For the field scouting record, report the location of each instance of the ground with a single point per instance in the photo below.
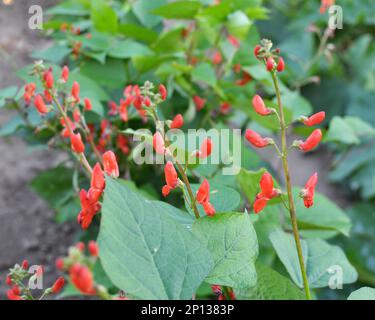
(28, 230)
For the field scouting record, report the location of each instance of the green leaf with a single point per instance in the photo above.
(143, 11)
(103, 17)
(55, 53)
(239, 24)
(169, 41)
(348, 130)
(68, 8)
(138, 32)
(178, 10)
(271, 286)
(320, 259)
(233, 244)
(205, 73)
(364, 293)
(146, 253)
(224, 199)
(7, 93)
(325, 215)
(128, 49)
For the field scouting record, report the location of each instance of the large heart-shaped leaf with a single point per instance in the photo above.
(271, 285)
(233, 244)
(145, 252)
(324, 262)
(364, 293)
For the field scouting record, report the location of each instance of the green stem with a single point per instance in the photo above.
(292, 209)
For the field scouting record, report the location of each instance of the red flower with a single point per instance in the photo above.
(256, 50)
(48, 96)
(203, 193)
(312, 141)
(48, 78)
(163, 92)
(123, 109)
(82, 278)
(217, 290)
(256, 139)
(199, 102)
(246, 78)
(97, 178)
(315, 119)
(65, 132)
(76, 143)
(280, 65)
(88, 104)
(206, 149)
(270, 64)
(60, 264)
(8, 280)
(110, 164)
(89, 206)
(80, 246)
(225, 108)
(76, 115)
(29, 92)
(65, 74)
(177, 122)
(122, 144)
(40, 105)
(93, 248)
(209, 209)
(217, 58)
(75, 91)
(25, 264)
(171, 178)
(14, 293)
(267, 192)
(158, 143)
(113, 108)
(259, 106)
(233, 41)
(308, 193)
(58, 285)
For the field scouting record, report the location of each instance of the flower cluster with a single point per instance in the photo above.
(20, 279)
(269, 57)
(79, 268)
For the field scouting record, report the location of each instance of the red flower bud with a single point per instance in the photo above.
(206, 149)
(97, 178)
(25, 264)
(40, 105)
(75, 91)
(280, 65)
(110, 164)
(12, 296)
(58, 285)
(88, 105)
(203, 193)
(76, 143)
(260, 204)
(270, 64)
(259, 106)
(171, 176)
(209, 209)
(234, 41)
(199, 102)
(315, 119)
(80, 246)
(166, 190)
(256, 50)
(267, 185)
(177, 122)
(147, 102)
(163, 92)
(225, 108)
(217, 58)
(60, 264)
(65, 74)
(82, 278)
(8, 280)
(312, 141)
(158, 143)
(308, 193)
(256, 139)
(49, 79)
(93, 248)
